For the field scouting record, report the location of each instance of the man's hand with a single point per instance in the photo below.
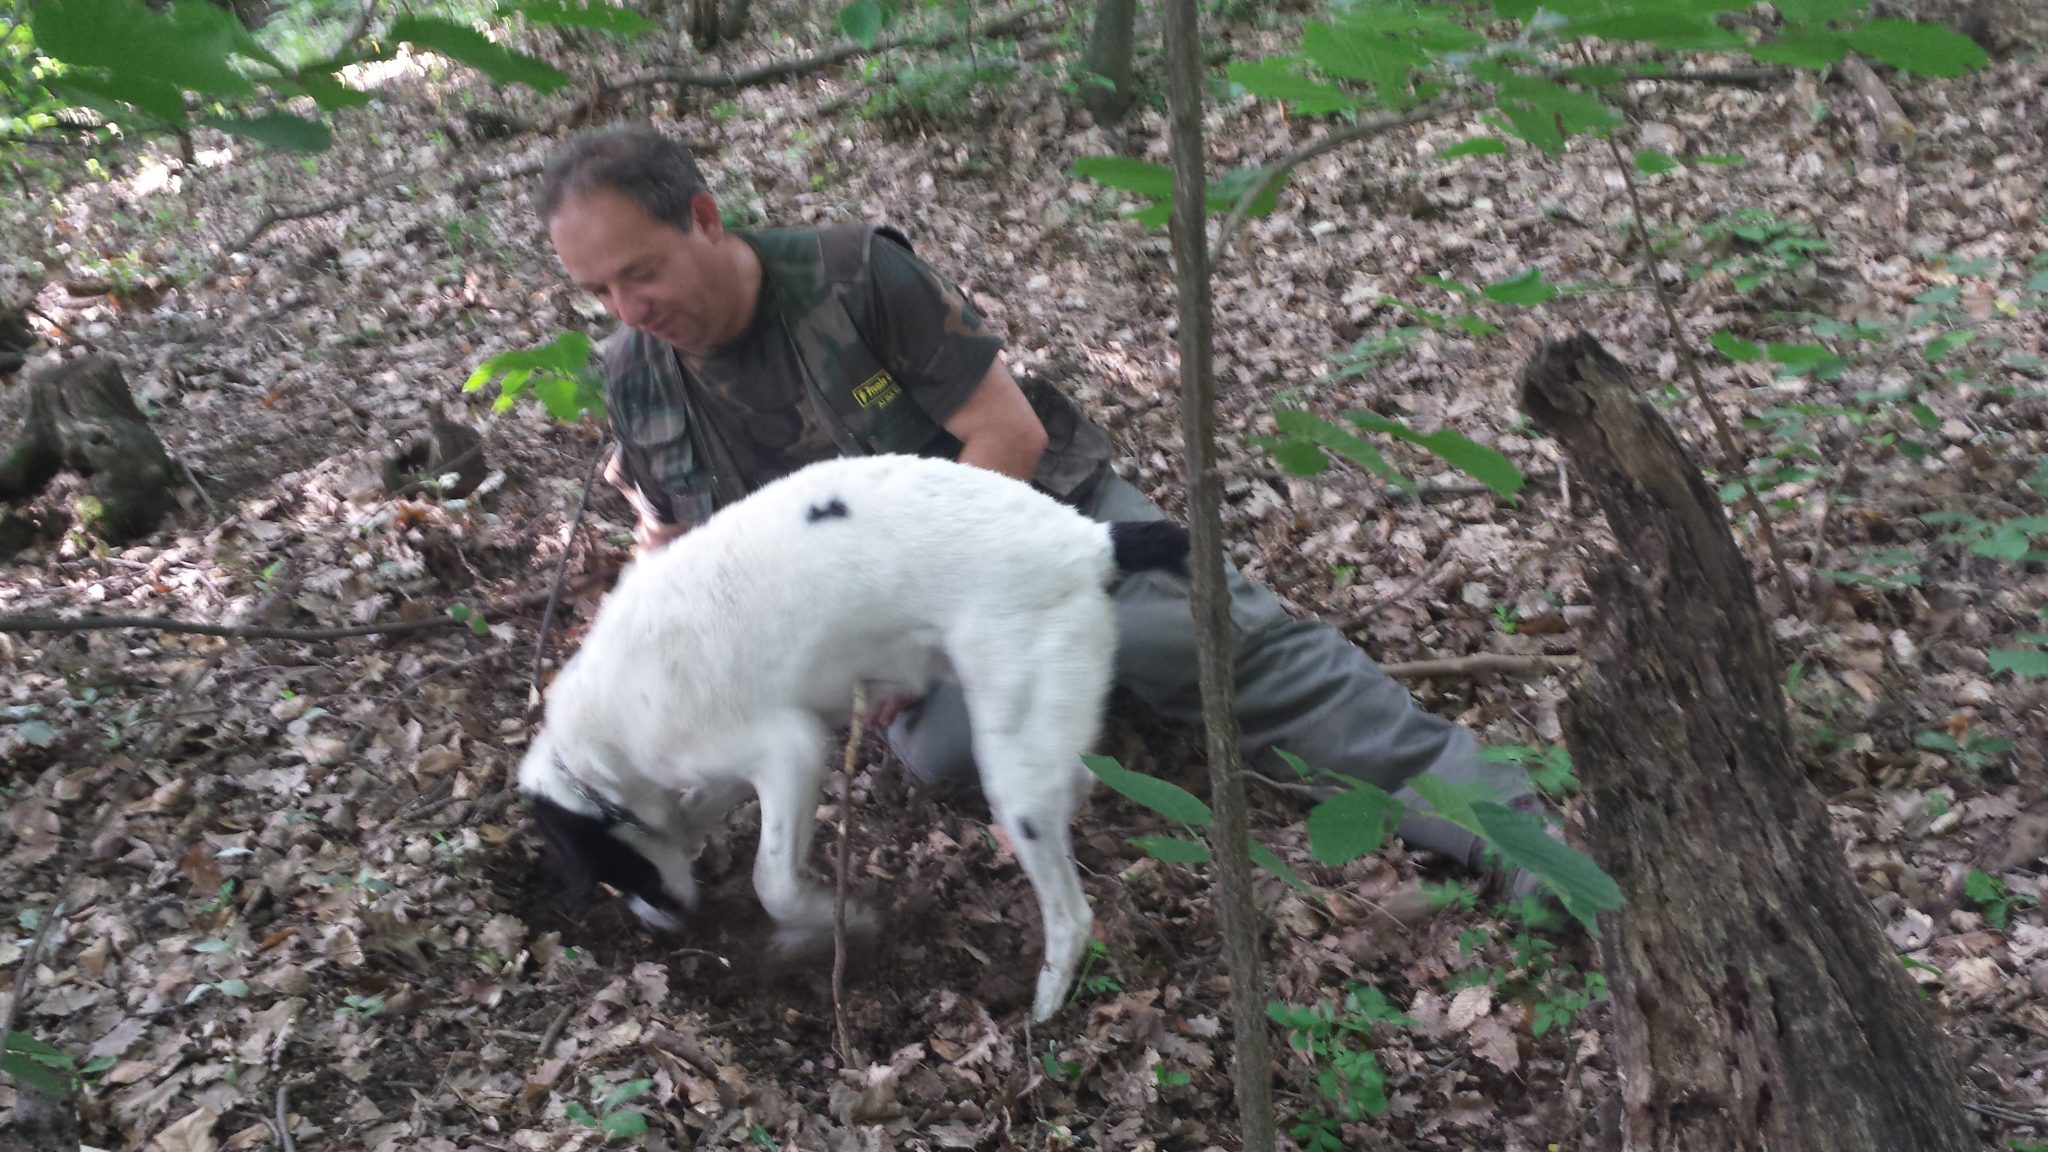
(884, 714)
(651, 535)
(997, 428)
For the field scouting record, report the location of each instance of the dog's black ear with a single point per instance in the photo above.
(586, 854)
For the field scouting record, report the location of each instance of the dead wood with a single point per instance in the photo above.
(81, 419)
(1756, 1004)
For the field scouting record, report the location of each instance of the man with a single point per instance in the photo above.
(746, 355)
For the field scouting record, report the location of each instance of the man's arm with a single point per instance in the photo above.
(996, 427)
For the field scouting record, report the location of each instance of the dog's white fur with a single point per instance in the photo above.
(724, 662)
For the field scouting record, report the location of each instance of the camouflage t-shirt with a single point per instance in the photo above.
(751, 395)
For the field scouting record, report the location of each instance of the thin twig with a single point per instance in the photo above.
(236, 631)
(1429, 570)
(192, 478)
(548, 1038)
(846, 767)
(1481, 664)
(547, 616)
(27, 974)
(1278, 170)
(1737, 459)
(2009, 1115)
(284, 1120)
(453, 666)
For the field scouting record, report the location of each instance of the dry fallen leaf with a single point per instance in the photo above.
(1494, 1041)
(193, 1133)
(1468, 1006)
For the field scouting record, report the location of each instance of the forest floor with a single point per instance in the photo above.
(291, 881)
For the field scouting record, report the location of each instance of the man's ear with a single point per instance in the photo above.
(704, 215)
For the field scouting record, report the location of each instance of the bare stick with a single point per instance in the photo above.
(547, 616)
(1737, 461)
(846, 767)
(236, 631)
(1480, 665)
(284, 1120)
(554, 1032)
(1892, 125)
(1278, 170)
(1429, 571)
(27, 975)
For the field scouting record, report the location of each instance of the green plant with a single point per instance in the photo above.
(1969, 750)
(1991, 895)
(1330, 1038)
(612, 1117)
(1091, 982)
(1056, 1068)
(1549, 767)
(558, 374)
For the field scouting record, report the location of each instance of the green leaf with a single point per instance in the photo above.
(1654, 161)
(2005, 544)
(1300, 457)
(579, 1114)
(187, 49)
(1355, 53)
(1447, 800)
(1803, 48)
(1459, 451)
(1523, 840)
(1172, 849)
(1476, 146)
(37, 732)
(277, 129)
(1474, 326)
(2019, 661)
(1717, 159)
(1922, 49)
(1351, 824)
(330, 93)
(25, 1070)
(236, 988)
(1545, 114)
(1947, 342)
(1595, 75)
(599, 17)
(1306, 425)
(1527, 289)
(1275, 78)
(1122, 172)
(624, 1093)
(1665, 29)
(466, 45)
(1223, 192)
(1798, 357)
(1450, 285)
(1735, 348)
(118, 98)
(1162, 796)
(1819, 11)
(1265, 858)
(861, 21)
(622, 1124)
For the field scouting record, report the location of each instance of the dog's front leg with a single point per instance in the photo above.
(788, 787)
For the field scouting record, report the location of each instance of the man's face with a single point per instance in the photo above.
(679, 287)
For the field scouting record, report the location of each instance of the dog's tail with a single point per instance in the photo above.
(1144, 545)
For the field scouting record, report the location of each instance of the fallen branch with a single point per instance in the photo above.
(540, 643)
(784, 69)
(275, 216)
(845, 853)
(519, 603)
(1330, 142)
(284, 1123)
(1892, 125)
(1483, 664)
(1429, 571)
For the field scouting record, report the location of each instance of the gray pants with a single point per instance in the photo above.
(1301, 686)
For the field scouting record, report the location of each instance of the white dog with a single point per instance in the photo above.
(723, 663)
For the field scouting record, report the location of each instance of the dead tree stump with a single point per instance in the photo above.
(1757, 1006)
(82, 419)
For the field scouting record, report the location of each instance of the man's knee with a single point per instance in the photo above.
(933, 739)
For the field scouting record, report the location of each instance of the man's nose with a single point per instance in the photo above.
(631, 308)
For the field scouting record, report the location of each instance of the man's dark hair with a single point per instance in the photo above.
(641, 164)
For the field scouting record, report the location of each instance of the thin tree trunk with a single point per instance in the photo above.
(1211, 597)
(1107, 91)
(1757, 1006)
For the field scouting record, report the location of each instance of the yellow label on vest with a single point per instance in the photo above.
(880, 391)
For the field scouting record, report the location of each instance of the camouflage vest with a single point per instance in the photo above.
(812, 279)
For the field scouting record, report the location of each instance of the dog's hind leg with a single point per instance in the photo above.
(1033, 715)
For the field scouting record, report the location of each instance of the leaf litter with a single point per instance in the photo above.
(293, 866)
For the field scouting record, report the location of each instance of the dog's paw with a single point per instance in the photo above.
(812, 936)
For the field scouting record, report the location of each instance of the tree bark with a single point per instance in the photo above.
(1228, 833)
(1107, 90)
(81, 418)
(1757, 1006)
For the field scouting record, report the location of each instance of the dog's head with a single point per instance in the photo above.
(589, 845)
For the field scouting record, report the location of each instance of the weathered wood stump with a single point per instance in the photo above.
(1757, 1005)
(82, 419)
